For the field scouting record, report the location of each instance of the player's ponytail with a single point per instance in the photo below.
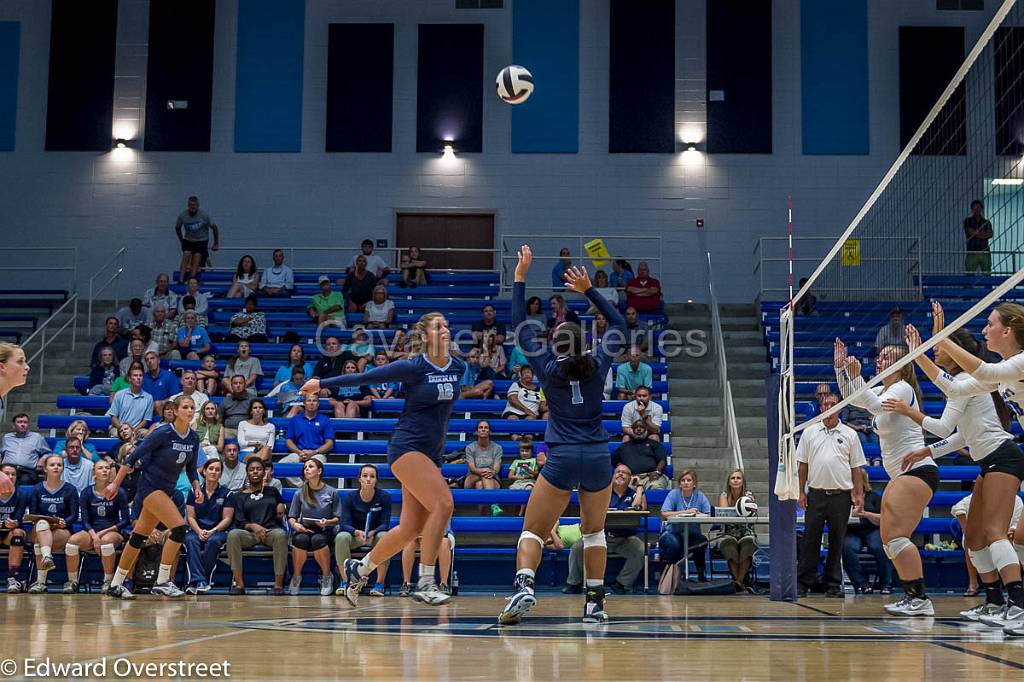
(418, 334)
(571, 350)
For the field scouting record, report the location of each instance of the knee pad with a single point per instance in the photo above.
(527, 535)
(318, 541)
(137, 540)
(1002, 554)
(897, 545)
(982, 560)
(42, 525)
(17, 541)
(71, 550)
(177, 534)
(106, 550)
(594, 540)
(301, 541)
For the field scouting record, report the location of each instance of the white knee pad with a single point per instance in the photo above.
(982, 560)
(1002, 554)
(71, 550)
(42, 525)
(594, 540)
(897, 545)
(527, 535)
(106, 550)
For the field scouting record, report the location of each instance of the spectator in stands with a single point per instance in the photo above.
(77, 469)
(829, 456)
(12, 535)
(25, 450)
(349, 402)
(201, 301)
(132, 315)
(332, 363)
(643, 292)
(193, 341)
(516, 361)
(80, 430)
(296, 358)
(121, 382)
(249, 324)
(309, 435)
(209, 430)
(289, 397)
(621, 541)
(255, 434)
(645, 457)
(233, 477)
(492, 355)
(208, 376)
(193, 229)
(190, 389)
(524, 399)
(637, 333)
(400, 346)
(164, 333)
(327, 305)
(161, 293)
(560, 312)
(414, 268)
(235, 406)
(374, 263)
(246, 280)
(144, 333)
(259, 520)
(644, 410)
(483, 459)
(893, 333)
(558, 271)
(361, 347)
(157, 382)
(365, 519)
(739, 540)
(54, 498)
(808, 303)
(112, 339)
(380, 312)
(866, 534)
(386, 390)
(622, 272)
(686, 500)
(208, 525)
(103, 373)
(631, 375)
(358, 286)
(488, 323)
(132, 406)
(268, 476)
(523, 472)
(977, 230)
(278, 280)
(476, 382)
(534, 310)
(313, 517)
(604, 287)
(243, 364)
(595, 335)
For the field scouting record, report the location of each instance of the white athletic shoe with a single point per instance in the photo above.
(983, 609)
(356, 582)
(911, 606)
(167, 589)
(326, 585)
(1009, 615)
(517, 606)
(294, 584)
(593, 608)
(106, 585)
(120, 592)
(46, 563)
(14, 586)
(37, 588)
(431, 594)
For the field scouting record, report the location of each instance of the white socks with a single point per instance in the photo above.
(164, 575)
(119, 575)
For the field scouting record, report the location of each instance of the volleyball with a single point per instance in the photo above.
(515, 84)
(745, 506)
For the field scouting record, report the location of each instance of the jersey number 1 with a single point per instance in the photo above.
(445, 392)
(577, 395)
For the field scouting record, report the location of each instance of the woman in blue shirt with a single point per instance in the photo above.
(296, 358)
(58, 500)
(685, 500)
(365, 519)
(103, 521)
(208, 520)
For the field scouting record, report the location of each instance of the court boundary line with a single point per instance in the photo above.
(980, 654)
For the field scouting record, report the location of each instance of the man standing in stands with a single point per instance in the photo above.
(977, 230)
(193, 229)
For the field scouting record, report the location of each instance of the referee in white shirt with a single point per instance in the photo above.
(828, 454)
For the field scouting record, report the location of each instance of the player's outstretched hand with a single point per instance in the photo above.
(938, 317)
(913, 337)
(525, 256)
(577, 279)
(839, 353)
(311, 386)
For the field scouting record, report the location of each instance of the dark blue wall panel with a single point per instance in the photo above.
(929, 56)
(268, 75)
(1009, 75)
(834, 76)
(449, 87)
(360, 100)
(10, 44)
(546, 40)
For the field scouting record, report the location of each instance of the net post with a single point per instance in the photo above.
(781, 513)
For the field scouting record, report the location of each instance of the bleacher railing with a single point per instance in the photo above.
(115, 268)
(38, 267)
(330, 258)
(732, 433)
(48, 332)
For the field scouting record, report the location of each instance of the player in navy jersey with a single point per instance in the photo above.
(103, 521)
(573, 383)
(13, 373)
(58, 500)
(12, 535)
(160, 459)
(431, 381)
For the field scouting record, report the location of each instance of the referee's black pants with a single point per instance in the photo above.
(833, 508)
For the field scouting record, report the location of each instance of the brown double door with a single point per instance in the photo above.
(449, 230)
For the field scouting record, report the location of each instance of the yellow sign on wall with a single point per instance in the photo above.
(597, 251)
(851, 252)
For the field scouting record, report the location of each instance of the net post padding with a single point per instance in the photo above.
(787, 484)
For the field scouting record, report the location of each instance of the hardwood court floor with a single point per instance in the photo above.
(650, 638)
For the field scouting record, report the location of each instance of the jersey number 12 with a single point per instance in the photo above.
(445, 392)
(577, 395)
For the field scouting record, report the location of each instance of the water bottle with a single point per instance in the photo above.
(455, 582)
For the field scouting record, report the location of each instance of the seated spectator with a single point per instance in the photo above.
(385, 390)
(865, 533)
(161, 293)
(644, 410)
(327, 305)
(77, 469)
(893, 333)
(535, 312)
(54, 498)
(296, 358)
(189, 304)
(645, 457)
(128, 439)
(259, 520)
(144, 333)
(193, 341)
(159, 383)
(246, 280)
(524, 399)
(243, 364)
(166, 417)
(400, 346)
(603, 287)
(622, 272)
(358, 286)
(558, 271)
(309, 435)
(643, 292)
(103, 522)
(562, 536)
(209, 430)
(24, 450)
(80, 430)
(136, 353)
(686, 500)
(516, 361)
(445, 557)
(268, 476)
(380, 312)
(190, 389)
(414, 268)
(132, 406)
(111, 339)
(483, 459)
(632, 374)
(523, 472)
(208, 376)
(332, 363)
(374, 263)
(560, 312)
(278, 280)
(637, 333)
(595, 335)
(488, 322)
(476, 382)
(208, 525)
(200, 301)
(248, 324)
(164, 334)
(739, 540)
(621, 541)
(365, 519)
(233, 477)
(102, 374)
(492, 356)
(808, 303)
(256, 435)
(132, 315)
(289, 398)
(361, 347)
(350, 401)
(313, 517)
(235, 406)
(12, 534)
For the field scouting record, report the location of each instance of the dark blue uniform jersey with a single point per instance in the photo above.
(100, 514)
(13, 507)
(211, 511)
(574, 406)
(160, 458)
(430, 392)
(62, 502)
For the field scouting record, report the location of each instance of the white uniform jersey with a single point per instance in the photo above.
(1006, 377)
(897, 435)
(975, 420)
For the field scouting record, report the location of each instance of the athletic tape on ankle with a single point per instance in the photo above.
(1002, 554)
(527, 535)
(594, 540)
(71, 550)
(982, 560)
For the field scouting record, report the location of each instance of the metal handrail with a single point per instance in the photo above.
(73, 268)
(118, 257)
(732, 433)
(396, 251)
(44, 341)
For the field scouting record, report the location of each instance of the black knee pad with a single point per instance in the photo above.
(137, 540)
(301, 541)
(177, 534)
(318, 541)
(18, 541)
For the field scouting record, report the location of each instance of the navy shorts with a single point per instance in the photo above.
(929, 474)
(586, 466)
(145, 489)
(1006, 459)
(402, 447)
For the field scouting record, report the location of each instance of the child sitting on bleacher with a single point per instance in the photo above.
(289, 400)
(523, 471)
(208, 376)
(361, 347)
(386, 390)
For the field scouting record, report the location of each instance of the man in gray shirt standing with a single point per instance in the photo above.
(193, 229)
(24, 449)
